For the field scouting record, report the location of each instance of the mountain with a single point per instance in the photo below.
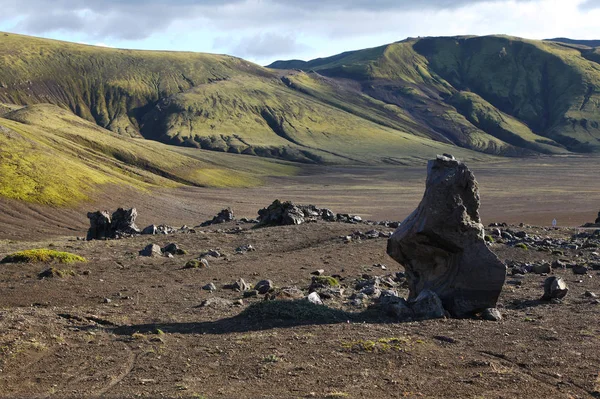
(476, 91)
(587, 43)
(206, 101)
(399, 103)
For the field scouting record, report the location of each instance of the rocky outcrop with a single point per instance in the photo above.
(100, 225)
(287, 213)
(441, 244)
(598, 219)
(226, 215)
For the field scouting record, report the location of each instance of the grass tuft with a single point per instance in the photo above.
(42, 256)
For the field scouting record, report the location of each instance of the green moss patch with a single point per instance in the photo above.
(326, 281)
(42, 256)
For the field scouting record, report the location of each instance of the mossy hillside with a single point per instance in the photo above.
(548, 89)
(111, 87)
(42, 256)
(263, 116)
(50, 156)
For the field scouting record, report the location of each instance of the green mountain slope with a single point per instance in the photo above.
(50, 156)
(551, 91)
(397, 103)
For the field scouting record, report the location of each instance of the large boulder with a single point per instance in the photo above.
(280, 213)
(441, 244)
(123, 222)
(100, 225)
(598, 219)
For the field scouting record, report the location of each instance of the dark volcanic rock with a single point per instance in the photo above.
(123, 222)
(441, 244)
(554, 288)
(280, 213)
(598, 219)
(100, 225)
(226, 215)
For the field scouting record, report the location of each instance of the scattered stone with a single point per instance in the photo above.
(152, 250)
(226, 215)
(173, 249)
(441, 245)
(590, 294)
(251, 293)
(210, 287)
(212, 253)
(166, 230)
(580, 269)
(554, 288)
(263, 286)
(196, 264)
(53, 272)
(244, 248)
(542, 268)
(491, 314)
(313, 297)
(150, 230)
(239, 285)
(107, 300)
(319, 272)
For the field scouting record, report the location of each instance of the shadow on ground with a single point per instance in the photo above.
(263, 316)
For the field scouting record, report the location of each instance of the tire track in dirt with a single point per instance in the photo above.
(129, 366)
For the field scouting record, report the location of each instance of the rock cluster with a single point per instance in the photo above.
(442, 247)
(226, 215)
(120, 224)
(287, 213)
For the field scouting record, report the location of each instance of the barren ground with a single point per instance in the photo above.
(60, 337)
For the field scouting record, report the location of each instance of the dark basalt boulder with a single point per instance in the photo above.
(104, 226)
(123, 222)
(441, 244)
(598, 219)
(100, 225)
(226, 215)
(280, 214)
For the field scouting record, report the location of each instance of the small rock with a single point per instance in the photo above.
(313, 297)
(543, 268)
(580, 269)
(245, 248)
(319, 272)
(263, 286)
(590, 294)
(427, 305)
(209, 287)
(173, 249)
(554, 288)
(106, 300)
(251, 293)
(196, 264)
(491, 314)
(239, 285)
(150, 230)
(151, 250)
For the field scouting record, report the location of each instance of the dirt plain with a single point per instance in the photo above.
(130, 326)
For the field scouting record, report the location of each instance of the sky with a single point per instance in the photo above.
(263, 31)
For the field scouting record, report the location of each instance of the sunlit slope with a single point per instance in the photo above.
(548, 89)
(111, 87)
(263, 116)
(50, 156)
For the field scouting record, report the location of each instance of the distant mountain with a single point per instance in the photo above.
(398, 103)
(588, 43)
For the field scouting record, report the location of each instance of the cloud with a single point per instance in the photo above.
(139, 19)
(262, 45)
(590, 5)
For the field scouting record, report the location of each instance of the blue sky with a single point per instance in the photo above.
(266, 30)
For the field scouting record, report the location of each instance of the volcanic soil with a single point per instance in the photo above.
(130, 326)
